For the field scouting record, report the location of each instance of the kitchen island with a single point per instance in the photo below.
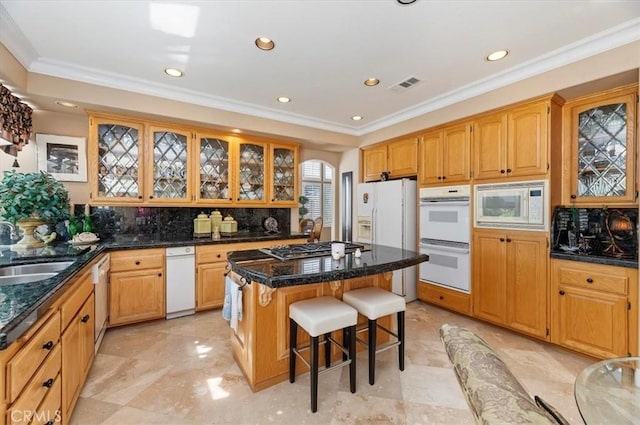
(261, 340)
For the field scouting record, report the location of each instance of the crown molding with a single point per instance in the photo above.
(14, 40)
(610, 39)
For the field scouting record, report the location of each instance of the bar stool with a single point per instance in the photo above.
(375, 303)
(321, 316)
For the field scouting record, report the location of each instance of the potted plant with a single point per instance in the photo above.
(303, 210)
(29, 200)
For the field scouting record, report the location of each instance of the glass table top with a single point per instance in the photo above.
(608, 392)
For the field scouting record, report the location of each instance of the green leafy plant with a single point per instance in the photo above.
(32, 195)
(303, 210)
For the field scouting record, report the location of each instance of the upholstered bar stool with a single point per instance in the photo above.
(375, 303)
(321, 316)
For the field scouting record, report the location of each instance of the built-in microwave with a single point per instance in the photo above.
(518, 205)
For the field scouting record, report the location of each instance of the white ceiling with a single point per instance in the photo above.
(325, 49)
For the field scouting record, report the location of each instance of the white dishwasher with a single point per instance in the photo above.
(181, 281)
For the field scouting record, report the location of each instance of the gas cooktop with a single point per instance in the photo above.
(304, 250)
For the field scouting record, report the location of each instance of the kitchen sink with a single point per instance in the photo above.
(30, 269)
(24, 278)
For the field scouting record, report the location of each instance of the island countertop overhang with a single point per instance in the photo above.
(256, 266)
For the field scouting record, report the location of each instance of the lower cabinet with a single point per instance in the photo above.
(510, 279)
(594, 308)
(444, 297)
(137, 286)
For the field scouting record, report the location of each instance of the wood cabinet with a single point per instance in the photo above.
(515, 142)
(398, 158)
(594, 308)
(445, 154)
(510, 279)
(444, 297)
(77, 343)
(137, 286)
(154, 163)
(599, 141)
(211, 268)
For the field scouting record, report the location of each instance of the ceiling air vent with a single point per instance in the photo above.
(405, 85)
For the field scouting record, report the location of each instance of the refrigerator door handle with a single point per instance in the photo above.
(445, 248)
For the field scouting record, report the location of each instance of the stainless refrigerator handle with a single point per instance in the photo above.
(373, 226)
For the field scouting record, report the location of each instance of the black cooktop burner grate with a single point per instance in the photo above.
(312, 249)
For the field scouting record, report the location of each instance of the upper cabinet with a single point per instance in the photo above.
(116, 160)
(599, 134)
(216, 173)
(444, 155)
(398, 158)
(169, 165)
(513, 142)
(283, 185)
(148, 163)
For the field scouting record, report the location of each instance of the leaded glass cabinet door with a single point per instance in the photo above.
(215, 176)
(284, 184)
(603, 148)
(116, 167)
(251, 187)
(170, 174)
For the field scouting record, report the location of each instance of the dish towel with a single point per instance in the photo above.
(226, 305)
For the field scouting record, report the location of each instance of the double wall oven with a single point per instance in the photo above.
(444, 235)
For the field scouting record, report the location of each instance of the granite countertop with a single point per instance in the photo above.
(595, 259)
(256, 266)
(22, 304)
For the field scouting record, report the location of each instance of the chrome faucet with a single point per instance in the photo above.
(14, 234)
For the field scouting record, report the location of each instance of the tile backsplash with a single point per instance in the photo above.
(177, 222)
(607, 232)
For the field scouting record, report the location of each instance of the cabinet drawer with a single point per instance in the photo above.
(71, 306)
(49, 411)
(36, 390)
(444, 297)
(137, 260)
(597, 279)
(28, 359)
(212, 253)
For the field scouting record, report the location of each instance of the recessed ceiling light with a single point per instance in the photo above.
(66, 104)
(265, 43)
(236, 130)
(370, 82)
(356, 117)
(284, 99)
(173, 72)
(497, 55)
(405, 2)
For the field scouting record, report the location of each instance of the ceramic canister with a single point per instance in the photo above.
(202, 225)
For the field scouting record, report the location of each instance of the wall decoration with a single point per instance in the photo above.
(64, 157)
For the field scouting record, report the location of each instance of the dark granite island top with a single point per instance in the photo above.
(256, 266)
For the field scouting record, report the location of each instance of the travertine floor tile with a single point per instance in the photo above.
(182, 371)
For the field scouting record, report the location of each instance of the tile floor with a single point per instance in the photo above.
(181, 371)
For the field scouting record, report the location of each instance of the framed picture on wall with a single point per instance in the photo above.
(64, 157)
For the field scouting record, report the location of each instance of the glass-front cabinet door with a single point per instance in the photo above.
(115, 153)
(283, 181)
(214, 180)
(169, 166)
(602, 132)
(252, 172)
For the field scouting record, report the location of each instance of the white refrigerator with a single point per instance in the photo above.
(387, 216)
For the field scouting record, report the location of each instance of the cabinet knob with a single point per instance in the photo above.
(508, 170)
(49, 422)
(237, 199)
(561, 292)
(501, 239)
(85, 318)
(508, 240)
(48, 345)
(444, 177)
(573, 196)
(48, 383)
(589, 280)
(273, 200)
(151, 197)
(439, 177)
(502, 171)
(231, 199)
(139, 197)
(159, 274)
(219, 255)
(137, 263)
(441, 297)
